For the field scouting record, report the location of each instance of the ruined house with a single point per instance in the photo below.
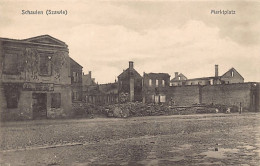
(99, 94)
(178, 80)
(155, 87)
(130, 84)
(88, 85)
(35, 78)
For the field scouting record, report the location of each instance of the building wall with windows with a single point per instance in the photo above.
(155, 87)
(34, 78)
(76, 81)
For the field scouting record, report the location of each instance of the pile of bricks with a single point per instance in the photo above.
(140, 109)
(135, 109)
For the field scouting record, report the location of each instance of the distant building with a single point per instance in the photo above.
(178, 80)
(230, 77)
(89, 86)
(130, 84)
(99, 94)
(34, 78)
(76, 80)
(87, 80)
(102, 94)
(155, 87)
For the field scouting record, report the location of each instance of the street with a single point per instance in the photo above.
(205, 139)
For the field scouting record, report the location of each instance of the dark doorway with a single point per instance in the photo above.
(39, 105)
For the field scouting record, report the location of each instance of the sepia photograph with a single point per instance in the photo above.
(129, 82)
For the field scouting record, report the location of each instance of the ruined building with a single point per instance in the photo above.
(35, 78)
(130, 84)
(99, 94)
(76, 81)
(155, 87)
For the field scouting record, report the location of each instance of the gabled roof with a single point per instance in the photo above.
(45, 39)
(179, 75)
(233, 70)
(205, 78)
(125, 73)
(73, 61)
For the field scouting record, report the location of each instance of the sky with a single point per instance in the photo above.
(159, 36)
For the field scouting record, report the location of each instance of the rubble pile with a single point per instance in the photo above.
(139, 109)
(135, 109)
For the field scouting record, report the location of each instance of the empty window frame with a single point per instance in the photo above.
(163, 83)
(157, 83)
(75, 96)
(45, 65)
(162, 98)
(75, 77)
(10, 64)
(55, 100)
(232, 73)
(156, 98)
(150, 82)
(12, 99)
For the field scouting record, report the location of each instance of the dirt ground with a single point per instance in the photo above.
(212, 139)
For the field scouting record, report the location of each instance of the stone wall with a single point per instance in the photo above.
(225, 94)
(228, 94)
(184, 95)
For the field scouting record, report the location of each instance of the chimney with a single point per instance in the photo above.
(131, 81)
(176, 74)
(216, 70)
(89, 73)
(131, 64)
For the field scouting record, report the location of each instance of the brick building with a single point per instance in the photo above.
(130, 84)
(34, 78)
(155, 87)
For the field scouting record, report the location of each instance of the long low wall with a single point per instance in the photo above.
(184, 95)
(231, 94)
(246, 94)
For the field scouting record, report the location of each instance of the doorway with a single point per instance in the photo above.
(39, 105)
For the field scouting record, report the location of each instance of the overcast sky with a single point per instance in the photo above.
(159, 36)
